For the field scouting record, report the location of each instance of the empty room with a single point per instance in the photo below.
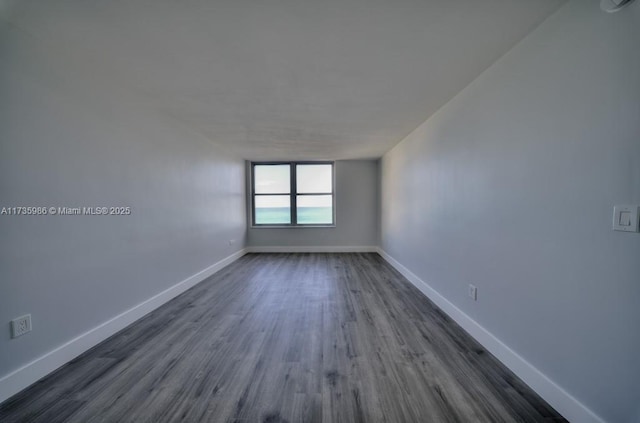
(320, 211)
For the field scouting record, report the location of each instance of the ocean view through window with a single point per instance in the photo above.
(292, 194)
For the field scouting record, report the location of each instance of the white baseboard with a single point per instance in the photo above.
(572, 409)
(19, 379)
(313, 249)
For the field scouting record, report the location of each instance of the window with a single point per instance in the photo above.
(292, 194)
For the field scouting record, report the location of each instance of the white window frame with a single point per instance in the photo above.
(293, 195)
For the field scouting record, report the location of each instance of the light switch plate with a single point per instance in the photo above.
(625, 218)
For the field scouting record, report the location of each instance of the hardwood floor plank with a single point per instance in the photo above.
(287, 338)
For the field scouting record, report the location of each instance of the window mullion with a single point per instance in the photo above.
(293, 201)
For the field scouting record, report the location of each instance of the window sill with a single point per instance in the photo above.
(291, 226)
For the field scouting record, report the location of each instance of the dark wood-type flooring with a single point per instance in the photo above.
(287, 338)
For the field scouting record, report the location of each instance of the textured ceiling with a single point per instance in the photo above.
(290, 79)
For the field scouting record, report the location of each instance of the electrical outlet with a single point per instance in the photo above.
(20, 325)
(473, 292)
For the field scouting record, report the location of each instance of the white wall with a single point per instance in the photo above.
(511, 187)
(70, 138)
(356, 213)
